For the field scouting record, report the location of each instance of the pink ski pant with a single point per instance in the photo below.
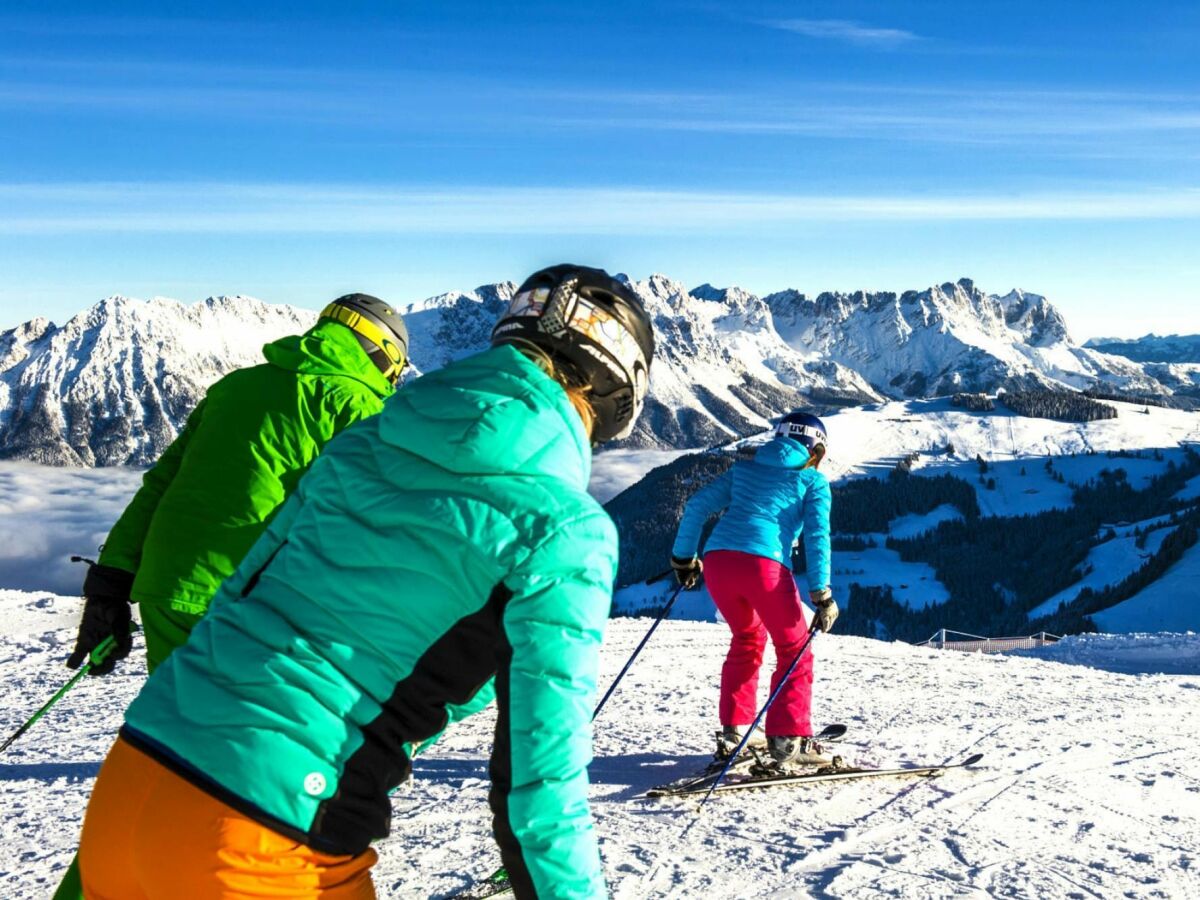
(758, 597)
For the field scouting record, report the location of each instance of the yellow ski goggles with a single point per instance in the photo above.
(362, 325)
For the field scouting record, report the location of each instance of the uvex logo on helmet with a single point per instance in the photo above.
(596, 330)
(805, 428)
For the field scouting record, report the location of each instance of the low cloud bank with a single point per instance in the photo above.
(47, 514)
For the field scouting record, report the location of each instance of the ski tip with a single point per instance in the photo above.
(972, 760)
(831, 732)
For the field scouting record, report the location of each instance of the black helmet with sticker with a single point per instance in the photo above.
(595, 329)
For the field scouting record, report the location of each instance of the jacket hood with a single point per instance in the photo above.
(782, 453)
(492, 413)
(328, 348)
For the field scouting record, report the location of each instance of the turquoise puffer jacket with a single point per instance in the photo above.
(771, 501)
(445, 541)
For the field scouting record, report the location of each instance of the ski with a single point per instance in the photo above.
(830, 734)
(495, 885)
(739, 781)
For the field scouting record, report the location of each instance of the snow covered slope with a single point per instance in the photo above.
(870, 440)
(1172, 603)
(1112, 560)
(1088, 788)
(114, 384)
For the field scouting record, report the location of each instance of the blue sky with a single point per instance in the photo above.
(296, 151)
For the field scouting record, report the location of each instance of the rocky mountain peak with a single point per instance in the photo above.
(113, 384)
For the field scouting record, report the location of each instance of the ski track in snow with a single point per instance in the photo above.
(1090, 786)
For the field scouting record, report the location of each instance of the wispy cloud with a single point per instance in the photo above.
(388, 103)
(236, 208)
(845, 30)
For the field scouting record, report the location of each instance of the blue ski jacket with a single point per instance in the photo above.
(769, 503)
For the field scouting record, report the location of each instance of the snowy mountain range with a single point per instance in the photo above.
(113, 384)
(1172, 348)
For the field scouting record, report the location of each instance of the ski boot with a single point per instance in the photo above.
(730, 736)
(789, 754)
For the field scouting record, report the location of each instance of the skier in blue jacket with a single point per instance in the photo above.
(769, 503)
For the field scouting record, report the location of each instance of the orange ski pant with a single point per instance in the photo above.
(150, 834)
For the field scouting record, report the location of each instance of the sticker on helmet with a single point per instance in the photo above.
(529, 303)
(798, 430)
(604, 329)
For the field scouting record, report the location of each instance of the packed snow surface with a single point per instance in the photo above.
(1162, 653)
(1089, 787)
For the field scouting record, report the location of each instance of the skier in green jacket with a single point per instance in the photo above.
(213, 490)
(444, 542)
(241, 453)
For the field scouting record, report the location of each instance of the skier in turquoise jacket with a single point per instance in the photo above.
(445, 542)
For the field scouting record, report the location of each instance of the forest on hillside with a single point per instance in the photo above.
(995, 568)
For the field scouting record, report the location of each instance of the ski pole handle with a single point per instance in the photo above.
(102, 650)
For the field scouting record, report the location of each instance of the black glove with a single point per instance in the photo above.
(826, 609)
(687, 571)
(106, 612)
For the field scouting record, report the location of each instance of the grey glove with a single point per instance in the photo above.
(825, 608)
(687, 571)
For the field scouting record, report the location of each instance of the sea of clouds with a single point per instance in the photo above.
(48, 514)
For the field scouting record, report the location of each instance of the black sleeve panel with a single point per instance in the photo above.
(451, 671)
(500, 770)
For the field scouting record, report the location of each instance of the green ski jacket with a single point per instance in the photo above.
(444, 542)
(241, 454)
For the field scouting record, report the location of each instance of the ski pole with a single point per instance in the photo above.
(97, 656)
(654, 579)
(612, 687)
(812, 632)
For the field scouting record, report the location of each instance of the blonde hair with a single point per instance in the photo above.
(576, 393)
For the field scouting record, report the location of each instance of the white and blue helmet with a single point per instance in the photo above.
(805, 428)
